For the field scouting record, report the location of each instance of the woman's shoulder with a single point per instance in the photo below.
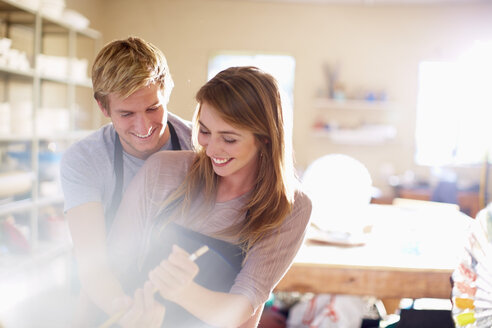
(301, 199)
(301, 196)
(164, 171)
(170, 162)
(173, 158)
(302, 206)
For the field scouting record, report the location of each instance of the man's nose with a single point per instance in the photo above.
(143, 124)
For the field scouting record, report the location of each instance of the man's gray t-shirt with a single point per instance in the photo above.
(87, 168)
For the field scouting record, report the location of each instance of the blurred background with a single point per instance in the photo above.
(402, 86)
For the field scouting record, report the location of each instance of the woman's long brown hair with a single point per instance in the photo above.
(246, 98)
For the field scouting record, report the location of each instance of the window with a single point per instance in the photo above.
(454, 109)
(281, 67)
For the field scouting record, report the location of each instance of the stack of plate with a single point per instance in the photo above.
(33, 4)
(472, 279)
(75, 19)
(15, 182)
(53, 8)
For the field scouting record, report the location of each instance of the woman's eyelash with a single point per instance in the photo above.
(228, 140)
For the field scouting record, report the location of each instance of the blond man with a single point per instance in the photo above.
(132, 85)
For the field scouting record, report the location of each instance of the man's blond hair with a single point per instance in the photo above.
(124, 66)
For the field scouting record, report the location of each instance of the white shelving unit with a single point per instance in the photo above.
(354, 122)
(46, 113)
(353, 105)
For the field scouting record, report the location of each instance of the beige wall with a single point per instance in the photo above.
(92, 9)
(377, 47)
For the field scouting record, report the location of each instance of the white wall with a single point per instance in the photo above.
(377, 47)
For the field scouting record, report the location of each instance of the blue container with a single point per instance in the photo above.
(49, 162)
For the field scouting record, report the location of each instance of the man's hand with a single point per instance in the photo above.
(142, 311)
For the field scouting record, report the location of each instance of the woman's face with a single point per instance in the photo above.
(232, 151)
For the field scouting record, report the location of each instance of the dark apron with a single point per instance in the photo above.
(119, 173)
(218, 268)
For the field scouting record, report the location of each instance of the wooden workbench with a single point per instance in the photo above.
(410, 253)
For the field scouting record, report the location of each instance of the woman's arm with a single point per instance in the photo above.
(235, 309)
(270, 258)
(254, 320)
(173, 278)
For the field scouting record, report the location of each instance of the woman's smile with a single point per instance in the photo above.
(220, 161)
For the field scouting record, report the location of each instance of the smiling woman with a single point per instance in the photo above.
(237, 194)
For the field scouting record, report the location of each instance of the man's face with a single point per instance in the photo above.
(140, 120)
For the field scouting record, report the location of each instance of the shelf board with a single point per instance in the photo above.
(58, 22)
(87, 83)
(16, 72)
(79, 134)
(60, 136)
(28, 204)
(17, 206)
(13, 138)
(67, 135)
(352, 104)
(356, 137)
(50, 200)
(9, 5)
(11, 264)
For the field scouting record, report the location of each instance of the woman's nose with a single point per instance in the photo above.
(211, 147)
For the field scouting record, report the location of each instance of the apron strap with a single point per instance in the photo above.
(119, 173)
(174, 137)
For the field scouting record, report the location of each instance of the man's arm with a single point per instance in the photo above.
(86, 223)
(87, 227)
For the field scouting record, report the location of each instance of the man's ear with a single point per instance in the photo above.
(103, 110)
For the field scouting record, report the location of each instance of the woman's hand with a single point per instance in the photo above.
(172, 276)
(142, 311)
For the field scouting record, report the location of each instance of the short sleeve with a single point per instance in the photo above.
(81, 180)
